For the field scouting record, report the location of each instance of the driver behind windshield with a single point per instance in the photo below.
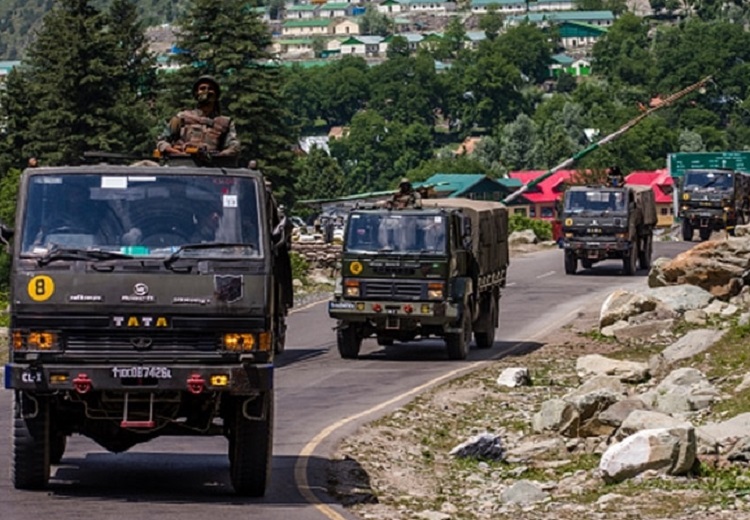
(73, 215)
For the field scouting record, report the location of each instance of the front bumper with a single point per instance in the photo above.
(245, 379)
(383, 312)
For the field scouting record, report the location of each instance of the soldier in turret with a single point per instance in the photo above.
(203, 130)
(406, 196)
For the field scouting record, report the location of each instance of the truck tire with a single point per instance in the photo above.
(457, 343)
(31, 444)
(705, 234)
(349, 341)
(486, 338)
(645, 254)
(58, 443)
(384, 341)
(630, 261)
(250, 444)
(571, 263)
(687, 231)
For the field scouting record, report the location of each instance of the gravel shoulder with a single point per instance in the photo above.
(399, 466)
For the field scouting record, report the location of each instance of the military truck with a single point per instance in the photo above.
(712, 200)
(415, 273)
(146, 300)
(605, 222)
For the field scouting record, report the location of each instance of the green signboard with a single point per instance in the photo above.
(679, 162)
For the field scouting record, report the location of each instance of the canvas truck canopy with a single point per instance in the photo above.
(646, 202)
(489, 228)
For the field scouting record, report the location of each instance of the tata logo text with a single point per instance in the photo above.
(140, 322)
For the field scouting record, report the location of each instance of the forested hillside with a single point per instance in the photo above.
(20, 19)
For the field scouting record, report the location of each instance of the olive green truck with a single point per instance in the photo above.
(608, 222)
(145, 301)
(421, 272)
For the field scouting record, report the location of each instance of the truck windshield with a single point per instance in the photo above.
(595, 202)
(141, 215)
(708, 179)
(395, 232)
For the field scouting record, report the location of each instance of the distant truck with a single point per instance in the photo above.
(146, 300)
(604, 222)
(712, 200)
(433, 271)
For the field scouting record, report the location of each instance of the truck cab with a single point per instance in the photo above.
(709, 201)
(608, 222)
(145, 301)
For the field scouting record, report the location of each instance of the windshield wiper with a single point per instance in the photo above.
(72, 253)
(197, 247)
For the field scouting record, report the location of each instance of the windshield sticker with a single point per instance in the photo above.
(41, 288)
(229, 201)
(228, 288)
(114, 182)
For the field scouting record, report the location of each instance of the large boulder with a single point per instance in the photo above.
(720, 267)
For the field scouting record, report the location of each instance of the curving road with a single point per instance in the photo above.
(320, 399)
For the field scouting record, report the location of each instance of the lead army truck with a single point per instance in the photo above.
(146, 301)
(415, 273)
(604, 222)
(712, 200)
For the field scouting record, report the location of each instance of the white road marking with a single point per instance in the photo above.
(300, 467)
(545, 275)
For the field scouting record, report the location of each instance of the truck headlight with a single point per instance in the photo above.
(351, 288)
(35, 340)
(435, 291)
(247, 341)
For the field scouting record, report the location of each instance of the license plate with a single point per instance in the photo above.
(142, 372)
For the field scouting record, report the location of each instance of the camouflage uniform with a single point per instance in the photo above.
(191, 127)
(204, 129)
(406, 196)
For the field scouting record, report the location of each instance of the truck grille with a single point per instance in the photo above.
(395, 290)
(163, 346)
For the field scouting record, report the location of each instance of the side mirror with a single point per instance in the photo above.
(279, 234)
(6, 234)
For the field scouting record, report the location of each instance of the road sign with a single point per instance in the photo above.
(679, 162)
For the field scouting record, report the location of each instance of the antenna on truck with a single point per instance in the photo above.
(611, 137)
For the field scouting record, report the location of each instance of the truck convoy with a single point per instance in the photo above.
(604, 222)
(419, 272)
(712, 200)
(146, 300)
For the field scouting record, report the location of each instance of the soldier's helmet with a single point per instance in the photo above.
(207, 79)
(404, 182)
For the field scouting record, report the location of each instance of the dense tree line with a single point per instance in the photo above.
(495, 92)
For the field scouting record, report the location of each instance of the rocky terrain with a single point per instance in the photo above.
(640, 408)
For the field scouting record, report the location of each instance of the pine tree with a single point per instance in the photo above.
(226, 39)
(77, 88)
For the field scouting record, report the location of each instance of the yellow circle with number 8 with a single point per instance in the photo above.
(40, 288)
(355, 267)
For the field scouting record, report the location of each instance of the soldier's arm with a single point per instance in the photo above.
(231, 141)
(169, 136)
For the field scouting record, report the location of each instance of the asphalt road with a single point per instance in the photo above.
(320, 399)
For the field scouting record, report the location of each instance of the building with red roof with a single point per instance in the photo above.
(543, 197)
(663, 185)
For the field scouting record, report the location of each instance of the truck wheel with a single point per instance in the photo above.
(250, 443)
(384, 341)
(630, 261)
(571, 263)
(705, 234)
(644, 256)
(280, 335)
(458, 342)
(349, 341)
(58, 443)
(687, 231)
(486, 338)
(31, 443)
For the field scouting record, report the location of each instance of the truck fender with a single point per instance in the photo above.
(462, 291)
